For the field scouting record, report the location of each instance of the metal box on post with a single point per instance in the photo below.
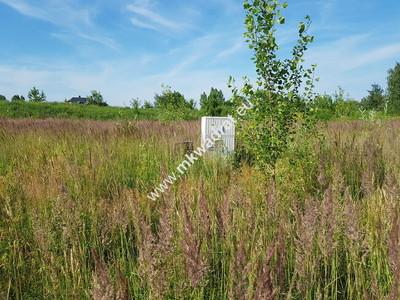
(220, 131)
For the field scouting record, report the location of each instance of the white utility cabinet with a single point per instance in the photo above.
(221, 131)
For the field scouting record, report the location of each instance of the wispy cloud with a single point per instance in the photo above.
(190, 45)
(372, 56)
(153, 17)
(353, 62)
(230, 6)
(236, 47)
(351, 52)
(78, 20)
(117, 80)
(100, 39)
(326, 12)
(60, 13)
(142, 24)
(147, 17)
(185, 64)
(26, 9)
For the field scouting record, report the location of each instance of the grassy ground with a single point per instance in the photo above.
(38, 110)
(18, 109)
(76, 223)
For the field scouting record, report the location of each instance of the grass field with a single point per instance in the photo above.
(38, 110)
(76, 223)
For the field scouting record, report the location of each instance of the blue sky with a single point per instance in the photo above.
(127, 48)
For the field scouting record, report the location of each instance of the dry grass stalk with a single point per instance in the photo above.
(102, 288)
(116, 213)
(66, 215)
(352, 219)
(306, 231)
(271, 200)
(154, 254)
(395, 291)
(123, 288)
(205, 216)
(281, 253)
(265, 289)
(322, 177)
(367, 183)
(393, 242)
(143, 129)
(41, 233)
(224, 216)
(329, 221)
(147, 251)
(196, 263)
(44, 239)
(239, 270)
(394, 254)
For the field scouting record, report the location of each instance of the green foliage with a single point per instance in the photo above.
(135, 103)
(35, 96)
(278, 104)
(171, 100)
(18, 98)
(147, 105)
(393, 83)
(323, 107)
(375, 100)
(126, 122)
(170, 115)
(213, 104)
(96, 99)
(343, 105)
(191, 104)
(173, 106)
(339, 105)
(3, 98)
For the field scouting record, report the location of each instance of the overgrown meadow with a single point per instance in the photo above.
(76, 223)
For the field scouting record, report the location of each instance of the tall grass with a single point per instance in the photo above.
(75, 222)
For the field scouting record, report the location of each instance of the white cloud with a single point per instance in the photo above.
(237, 46)
(353, 62)
(352, 52)
(100, 39)
(142, 24)
(184, 64)
(153, 17)
(78, 20)
(230, 6)
(118, 81)
(202, 46)
(201, 52)
(26, 9)
(372, 56)
(163, 17)
(59, 13)
(326, 12)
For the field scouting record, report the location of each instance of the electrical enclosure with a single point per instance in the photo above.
(218, 134)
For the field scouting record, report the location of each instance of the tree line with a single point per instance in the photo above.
(324, 107)
(340, 104)
(33, 96)
(380, 100)
(213, 103)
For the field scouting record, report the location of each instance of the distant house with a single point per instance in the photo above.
(79, 100)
